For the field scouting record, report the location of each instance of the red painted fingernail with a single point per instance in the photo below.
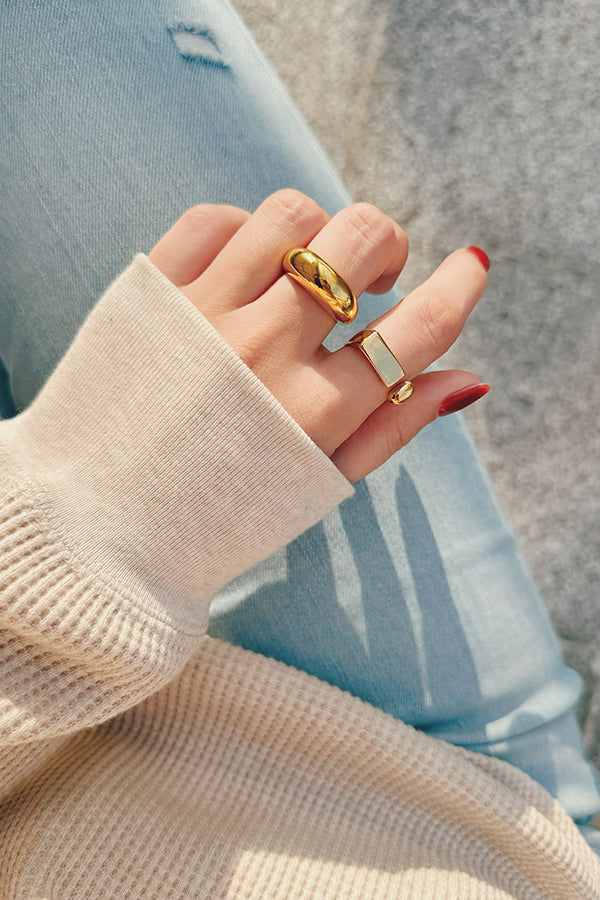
(481, 256)
(459, 399)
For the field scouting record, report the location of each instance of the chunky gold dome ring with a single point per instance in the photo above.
(385, 364)
(322, 282)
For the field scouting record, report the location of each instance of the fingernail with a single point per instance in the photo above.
(481, 256)
(459, 399)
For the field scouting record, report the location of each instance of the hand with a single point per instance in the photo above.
(228, 263)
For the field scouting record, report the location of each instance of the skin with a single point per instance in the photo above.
(228, 263)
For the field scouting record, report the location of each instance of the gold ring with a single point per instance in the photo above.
(322, 282)
(385, 364)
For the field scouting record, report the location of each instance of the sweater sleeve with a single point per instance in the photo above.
(152, 469)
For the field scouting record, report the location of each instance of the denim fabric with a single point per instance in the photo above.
(413, 594)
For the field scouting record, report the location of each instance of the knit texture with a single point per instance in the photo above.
(140, 758)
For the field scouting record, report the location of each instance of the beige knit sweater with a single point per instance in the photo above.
(141, 759)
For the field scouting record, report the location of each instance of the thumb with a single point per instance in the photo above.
(389, 427)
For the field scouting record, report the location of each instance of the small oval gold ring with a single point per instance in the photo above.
(322, 282)
(385, 364)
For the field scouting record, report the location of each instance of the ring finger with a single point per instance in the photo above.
(363, 245)
(191, 244)
(251, 261)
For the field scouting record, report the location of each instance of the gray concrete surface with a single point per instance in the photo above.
(478, 122)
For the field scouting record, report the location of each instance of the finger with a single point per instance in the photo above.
(191, 244)
(252, 259)
(389, 427)
(418, 331)
(365, 247)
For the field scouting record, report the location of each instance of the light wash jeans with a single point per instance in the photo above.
(413, 595)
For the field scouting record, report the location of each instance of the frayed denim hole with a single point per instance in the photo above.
(198, 44)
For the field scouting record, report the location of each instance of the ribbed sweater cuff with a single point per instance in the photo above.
(165, 464)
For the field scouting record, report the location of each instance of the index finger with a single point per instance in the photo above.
(418, 330)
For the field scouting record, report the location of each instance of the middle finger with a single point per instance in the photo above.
(363, 245)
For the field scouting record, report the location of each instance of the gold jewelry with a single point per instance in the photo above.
(322, 282)
(385, 364)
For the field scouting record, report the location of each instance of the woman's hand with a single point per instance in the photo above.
(229, 264)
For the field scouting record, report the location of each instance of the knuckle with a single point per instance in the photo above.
(199, 213)
(370, 225)
(291, 207)
(438, 322)
(402, 241)
(203, 215)
(395, 437)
